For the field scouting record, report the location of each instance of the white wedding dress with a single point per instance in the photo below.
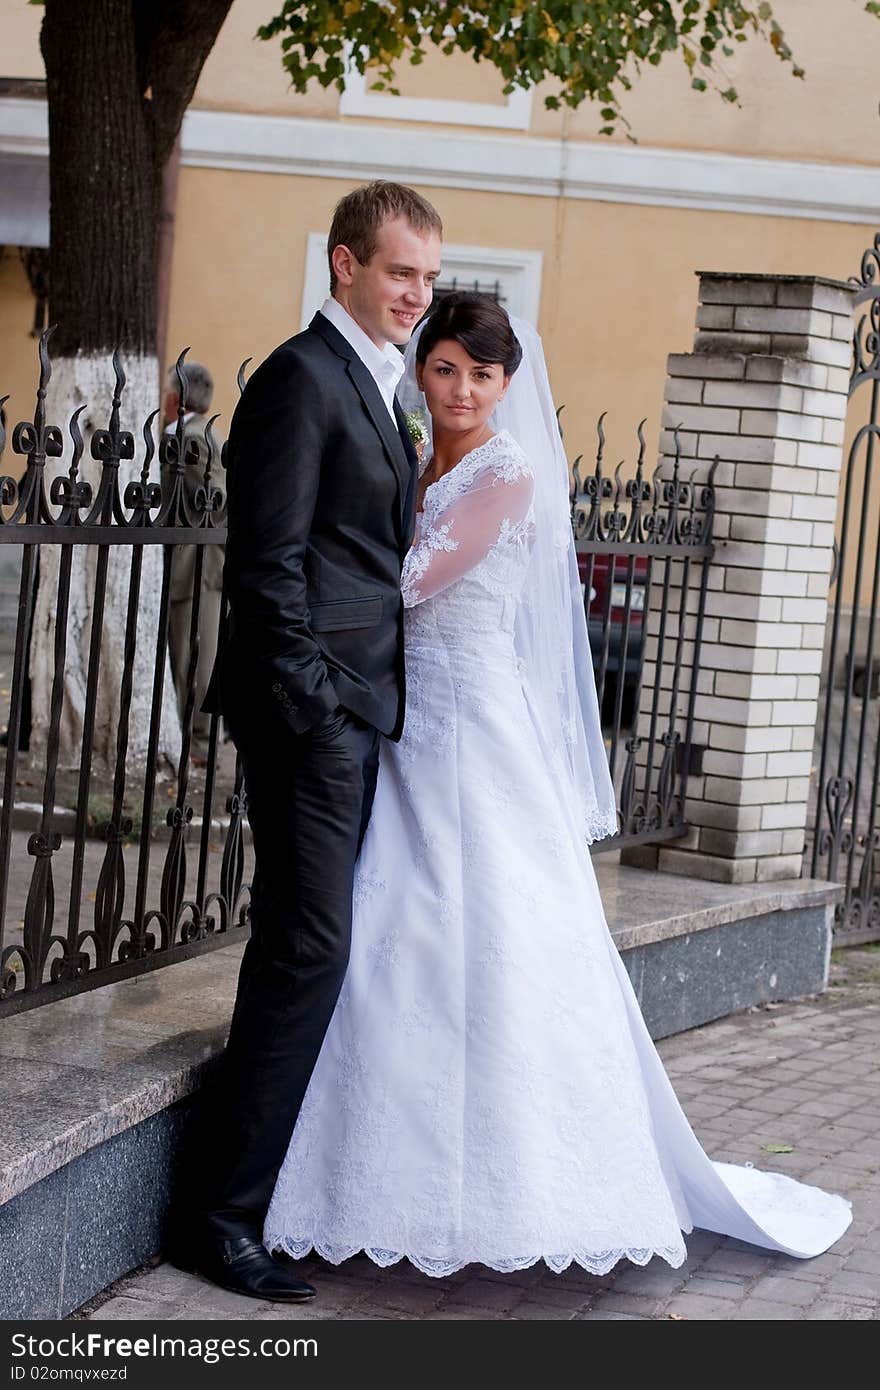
(487, 1091)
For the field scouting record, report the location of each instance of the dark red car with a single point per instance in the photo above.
(604, 609)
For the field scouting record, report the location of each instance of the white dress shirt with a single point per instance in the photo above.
(385, 365)
(172, 428)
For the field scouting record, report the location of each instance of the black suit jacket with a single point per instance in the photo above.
(321, 489)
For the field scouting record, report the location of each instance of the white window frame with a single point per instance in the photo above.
(358, 100)
(517, 272)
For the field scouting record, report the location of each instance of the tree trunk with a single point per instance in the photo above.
(119, 75)
(104, 192)
(89, 377)
(104, 181)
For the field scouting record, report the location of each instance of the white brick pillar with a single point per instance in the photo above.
(765, 390)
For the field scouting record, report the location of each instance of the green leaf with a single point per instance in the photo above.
(778, 1148)
(594, 49)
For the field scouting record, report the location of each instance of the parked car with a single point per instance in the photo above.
(612, 571)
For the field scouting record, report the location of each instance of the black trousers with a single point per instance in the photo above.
(309, 801)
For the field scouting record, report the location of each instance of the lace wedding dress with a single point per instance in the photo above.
(487, 1091)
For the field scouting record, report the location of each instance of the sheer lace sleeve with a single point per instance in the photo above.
(452, 538)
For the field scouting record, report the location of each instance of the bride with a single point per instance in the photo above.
(487, 1091)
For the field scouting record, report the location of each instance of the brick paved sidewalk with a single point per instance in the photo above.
(803, 1076)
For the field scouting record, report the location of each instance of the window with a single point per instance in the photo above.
(514, 113)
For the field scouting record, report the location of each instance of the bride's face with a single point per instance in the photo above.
(461, 393)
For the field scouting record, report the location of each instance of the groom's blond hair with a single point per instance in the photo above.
(358, 217)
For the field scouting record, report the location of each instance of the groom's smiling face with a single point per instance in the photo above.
(389, 294)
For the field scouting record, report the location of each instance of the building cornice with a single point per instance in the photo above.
(510, 163)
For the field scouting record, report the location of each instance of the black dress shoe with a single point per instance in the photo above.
(245, 1266)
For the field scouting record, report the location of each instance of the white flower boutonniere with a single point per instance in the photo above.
(417, 430)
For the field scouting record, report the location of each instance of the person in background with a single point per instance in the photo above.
(199, 394)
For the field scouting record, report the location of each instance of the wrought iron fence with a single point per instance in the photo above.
(86, 918)
(845, 831)
(644, 546)
(51, 952)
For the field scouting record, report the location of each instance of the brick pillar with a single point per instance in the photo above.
(765, 390)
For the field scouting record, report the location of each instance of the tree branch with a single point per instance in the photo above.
(177, 36)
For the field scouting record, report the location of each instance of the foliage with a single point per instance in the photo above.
(592, 48)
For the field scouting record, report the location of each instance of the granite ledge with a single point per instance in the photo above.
(103, 1061)
(132, 1049)
(48, 1153)
(643, 907)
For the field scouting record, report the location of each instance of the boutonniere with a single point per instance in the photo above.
(417, 430)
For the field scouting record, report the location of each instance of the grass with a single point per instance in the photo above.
(99, 813)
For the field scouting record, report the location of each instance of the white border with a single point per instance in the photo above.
(519, 273)
(503, 164)
(358, 100)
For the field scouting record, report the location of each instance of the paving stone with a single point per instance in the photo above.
(702, 1243)
(837, 1310)
(558, 1298)
(165, 1281)
(123, 1309)
(303, 1312)
(546, 1312)
(772, 1104)
(717, 1288)
(405, 1298)
(763, 1310)
(360, 1314)
(612, 1302)
(460, 1314)
(577, 1278)
(863, 1262)
(225, 1303)
(599, 1316)
(650, 1281)
(525, 1278)
(776, 1288)
(192, 1313)
(730, 1261)
(855, 1282)
(482, 1293)
(342, 1290)
(697, 1306)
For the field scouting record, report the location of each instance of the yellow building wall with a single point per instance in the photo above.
(829, 116)
(19, 367)
(20, 30)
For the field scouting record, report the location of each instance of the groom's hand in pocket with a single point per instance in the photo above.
(333, 729)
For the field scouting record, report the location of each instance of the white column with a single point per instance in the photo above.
(765, 390)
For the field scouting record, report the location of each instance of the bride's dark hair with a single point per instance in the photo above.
(478, 323)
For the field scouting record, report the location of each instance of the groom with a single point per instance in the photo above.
(321, 507)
